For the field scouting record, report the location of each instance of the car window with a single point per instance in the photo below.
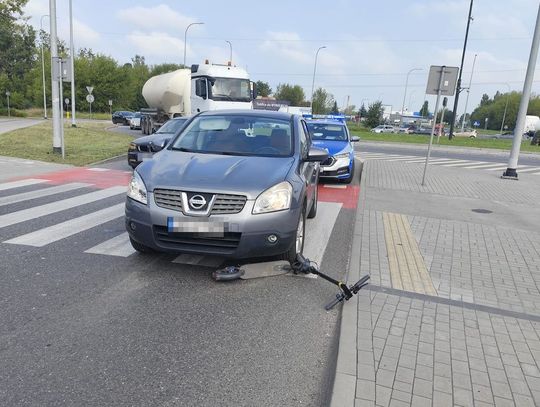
(237, 135)
(172, 126)
(321, 131)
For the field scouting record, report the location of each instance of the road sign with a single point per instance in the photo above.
(476, 124)
(90, 98)
(66, 101)
(8, 93)
(110, 102)
(90, 89)
(61, 68)
(448, 86)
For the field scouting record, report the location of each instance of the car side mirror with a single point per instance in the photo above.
(316, 154)
(164, 143)
(355, 139)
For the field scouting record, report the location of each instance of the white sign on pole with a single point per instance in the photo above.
(110, 102)
(90, 89)
(66, 101)
(448, 85)
(90, 98)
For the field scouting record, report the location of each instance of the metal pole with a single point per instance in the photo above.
(230, 46)
(505, 108)
(405, 94)
(434, 123)
(72, 63)
(313, 81)
(57, 142)
(43, 70)
(441, 127)
(8, 110)
(458, 86)
(61, 107)
(468, 91)
(185, 40)
(524, 104)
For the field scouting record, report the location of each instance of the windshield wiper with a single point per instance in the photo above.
(227, 97)
(183, 149)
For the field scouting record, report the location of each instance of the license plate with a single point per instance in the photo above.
(176, 225)
(144, 156)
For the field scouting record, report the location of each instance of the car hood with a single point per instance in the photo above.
(334, 147)
(214, 173)
(154, 138)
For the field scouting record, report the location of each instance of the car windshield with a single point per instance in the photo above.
(321, 131)
(136, 114)
(172, 126)
(238, 90)
(245, 135)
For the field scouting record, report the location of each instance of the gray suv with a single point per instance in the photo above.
(235, 183)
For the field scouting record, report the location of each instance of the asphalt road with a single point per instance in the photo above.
(10, 124)
(79, 328)
(446, 152)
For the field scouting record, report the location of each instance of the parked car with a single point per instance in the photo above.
(121, 117)
(144, 148)
(234, 183)
(384, 128)
(334, 136)
(470, 133)
(135, 121)
(408, 129)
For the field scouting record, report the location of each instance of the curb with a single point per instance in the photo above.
(344, 390)
(106, 160)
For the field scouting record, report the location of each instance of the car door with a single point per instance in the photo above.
(309, 170)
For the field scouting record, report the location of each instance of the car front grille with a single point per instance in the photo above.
(224, 204)
(225, 244)
(328, 162)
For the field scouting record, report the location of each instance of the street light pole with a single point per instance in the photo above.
(458, 86)
(468, 92)
(185, 40)
(72, 59)
(313, 81)
(230, 47)
(405, 94)
(57, 119)
(8, 93)
(43, 69)
(505, 108)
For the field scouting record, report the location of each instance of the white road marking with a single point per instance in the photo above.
(529, 169)
(463, 163)
(335, 186)
(484, 166)
(98, 169)
(68, 228)
(318, 230)
(54, 207)
(519, 168)
(25, 196)
(21, 183)
(117, 246)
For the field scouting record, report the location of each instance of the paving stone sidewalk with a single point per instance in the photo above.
(475, 339)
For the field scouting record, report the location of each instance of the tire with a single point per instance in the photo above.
(313, 211)
(350, 177)
(140, 247)
(290, 255)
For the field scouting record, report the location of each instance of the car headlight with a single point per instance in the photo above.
(276, 198)
(137, 189)
(132, 147)
(342, 155)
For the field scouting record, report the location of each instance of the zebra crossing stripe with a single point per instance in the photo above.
(519, 168)
(448, 163)
(54, 207)
(25, 196)
(21, 183)
(464, 163)
(68, 228)
(529, 169)
(117, 246)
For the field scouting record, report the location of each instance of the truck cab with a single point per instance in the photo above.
(216, 87)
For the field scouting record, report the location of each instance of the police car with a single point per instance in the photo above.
(331, 133)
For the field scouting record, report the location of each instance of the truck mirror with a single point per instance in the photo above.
(200, 88)
(253, 90)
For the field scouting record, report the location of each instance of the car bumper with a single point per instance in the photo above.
(341, 168)
(247, 234)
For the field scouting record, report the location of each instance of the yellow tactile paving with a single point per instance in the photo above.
(407, 267)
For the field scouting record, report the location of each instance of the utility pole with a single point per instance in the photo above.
(405, 94)
(72, 53)
(458, 87)
(313, 82)
(57, 120)
(511, 172)
(43, 70)
(468, 92)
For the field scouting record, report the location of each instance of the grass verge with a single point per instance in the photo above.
(498, 144)
(85, 144)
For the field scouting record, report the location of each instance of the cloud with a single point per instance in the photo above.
(161, 16)
(158, 44)
(287, 45)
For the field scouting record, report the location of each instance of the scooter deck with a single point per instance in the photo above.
(266, 269)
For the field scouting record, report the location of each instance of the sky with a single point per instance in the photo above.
(370, 46)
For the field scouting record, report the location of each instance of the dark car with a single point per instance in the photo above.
(233, 183)
(122, 117)
(144, 148)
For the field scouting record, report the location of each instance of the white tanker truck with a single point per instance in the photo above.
(188, 91)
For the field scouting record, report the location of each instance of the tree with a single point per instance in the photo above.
(263, 89)
(362, 112)
(292, 93)
(485, 100)
(350, 110)
(335, 108)
(424, 110)
(374, 114)
(322, 102)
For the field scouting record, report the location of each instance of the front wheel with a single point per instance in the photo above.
(313, 211)
(298, 244)
(350, 177)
